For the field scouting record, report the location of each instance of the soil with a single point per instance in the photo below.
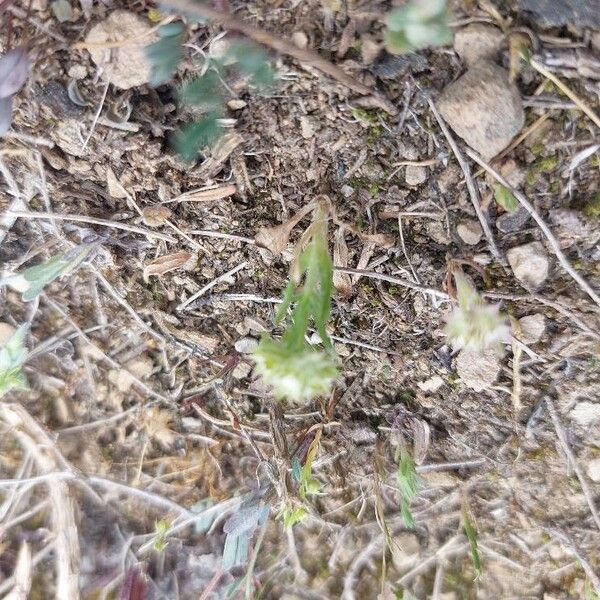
(134, 385)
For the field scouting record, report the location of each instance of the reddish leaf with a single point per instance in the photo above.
(134, 585)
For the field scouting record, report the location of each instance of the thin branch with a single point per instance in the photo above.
(85, 219)
(564, 444)
(583, 284)
(466, 169)
(396, 280)
(566, 90)
(212, 284)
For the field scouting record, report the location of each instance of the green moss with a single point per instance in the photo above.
(538, 149)
(547, 164)
(592, 208)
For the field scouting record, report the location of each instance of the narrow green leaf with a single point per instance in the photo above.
(505, 198)
(12, 358)
(192, 137)
(471, 534)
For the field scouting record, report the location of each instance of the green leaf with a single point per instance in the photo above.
(166, 53)
(202, 525)
(12, 358)
(253, 61)
(205, 91)
(420, 24)
(192, 137)
(296, 469)
(408, 484)
(505, 198)
(471, 534)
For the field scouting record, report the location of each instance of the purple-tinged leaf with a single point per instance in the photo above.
(14, 69)
(5, 114)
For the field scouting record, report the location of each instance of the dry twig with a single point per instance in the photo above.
(564, 444)
(466, 169)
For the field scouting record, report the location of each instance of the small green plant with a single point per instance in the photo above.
(291, 514)
(471, 533)
(31, 281)
(408, 484)
(475, 324)
(293, 368)
(207, 92)
(420, 24)
(505, 198)
(12, 357)
(160, 530)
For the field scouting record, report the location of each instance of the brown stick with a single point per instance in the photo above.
(281, 45)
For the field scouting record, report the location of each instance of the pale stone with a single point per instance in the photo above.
(478, 41)
(125, 66)
(484, 108)
(415, 175)
(478, 369)
(532, 328)
(529, 263)
(469, 232)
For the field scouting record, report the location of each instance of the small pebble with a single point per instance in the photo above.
(484, 108)
(478, 41)
(469, 232)
(6, 332)
(415, 175)
(478, 369)
(532, 328)
(246, 345)
(300, 39)
(593, 469)
(529, 263)
(236, 104)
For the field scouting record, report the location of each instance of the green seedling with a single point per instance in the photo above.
(420, 24)
(471, 533)
(408, 484)
(12, 357)
(160, 532)
(291, 515)
(293, 368)
(505, 198)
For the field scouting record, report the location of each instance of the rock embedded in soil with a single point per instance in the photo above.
(585, 413)
(478, 41)
(514, 221)
(529, 263)
(532, 328)
(415, 175)
(593, 470)
(556, 13)
(126, 66)
(469, 232)
(478, 369)
(246, 345)
(484, 108)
